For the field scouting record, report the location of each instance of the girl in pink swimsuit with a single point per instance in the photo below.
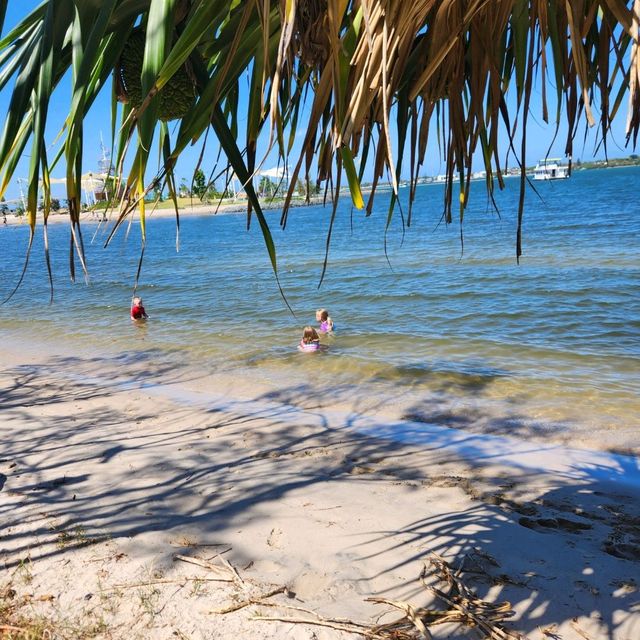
(310, 340)
(326, 323)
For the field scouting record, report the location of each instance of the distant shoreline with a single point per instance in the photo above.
(93, 216)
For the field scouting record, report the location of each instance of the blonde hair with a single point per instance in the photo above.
(310, 335)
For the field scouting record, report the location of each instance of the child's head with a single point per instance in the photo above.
(322, 315)
(137, 302)
(310, 335)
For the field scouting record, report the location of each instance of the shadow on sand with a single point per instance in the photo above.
(85, 460)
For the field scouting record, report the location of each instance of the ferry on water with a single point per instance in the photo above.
(551, 169)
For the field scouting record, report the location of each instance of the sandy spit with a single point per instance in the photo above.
(102, 217)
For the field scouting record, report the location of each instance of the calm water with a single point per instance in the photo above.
(470, 339)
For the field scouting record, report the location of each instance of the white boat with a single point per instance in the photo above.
(551, 169)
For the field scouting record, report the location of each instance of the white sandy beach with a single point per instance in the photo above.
(197, 209)
(95, 217)
(115, 479)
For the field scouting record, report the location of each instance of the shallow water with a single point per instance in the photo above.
(548, 348)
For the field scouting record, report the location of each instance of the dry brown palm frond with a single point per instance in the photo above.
(461, 607)
(463, 58)
(383, 79)
(633, 118)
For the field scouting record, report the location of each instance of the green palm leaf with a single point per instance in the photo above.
(446, 64)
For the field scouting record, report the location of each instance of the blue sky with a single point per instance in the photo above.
(97, 122)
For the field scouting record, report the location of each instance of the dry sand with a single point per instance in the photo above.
(109, 472)
(95, 217)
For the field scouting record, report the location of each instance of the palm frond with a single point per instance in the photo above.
(339, 72)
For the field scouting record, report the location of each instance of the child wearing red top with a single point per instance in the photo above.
(137, 310)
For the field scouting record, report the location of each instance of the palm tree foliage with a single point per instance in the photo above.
(349, 75)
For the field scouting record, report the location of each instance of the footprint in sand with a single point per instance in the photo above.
(544, 525)
(275, 539)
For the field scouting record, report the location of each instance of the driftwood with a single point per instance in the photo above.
(461, 607)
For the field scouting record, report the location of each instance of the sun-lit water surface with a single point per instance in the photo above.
(462, 338)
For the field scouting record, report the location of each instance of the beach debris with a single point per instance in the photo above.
(255, 600)
(183, 580)
(225, 573)
(187, 543)
(312, 618)
(550, 632)
(8, 627)
(578, 630)
(461, 607)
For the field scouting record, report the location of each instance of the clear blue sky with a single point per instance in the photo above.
(97, 122)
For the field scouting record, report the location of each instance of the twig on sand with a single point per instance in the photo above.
(233, 570)
(181, 581)
(349, 627)
(8, 627)
(230, 576)
(578, 630)
(249, 601)
(186, 544)
(550, 632)
(339, 624)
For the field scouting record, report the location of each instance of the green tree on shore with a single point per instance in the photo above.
(267, 188)
(199, 187)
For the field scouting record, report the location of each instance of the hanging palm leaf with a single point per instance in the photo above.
(442, 65)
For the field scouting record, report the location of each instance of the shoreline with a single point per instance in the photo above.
(112, 468)
(93, 217)
(240, 207)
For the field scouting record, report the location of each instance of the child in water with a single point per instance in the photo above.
(310, 340)
(137, 310)
(326, 323)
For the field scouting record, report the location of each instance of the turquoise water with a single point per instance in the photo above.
(547, 348)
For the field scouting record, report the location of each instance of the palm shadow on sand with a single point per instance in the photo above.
(113, 471)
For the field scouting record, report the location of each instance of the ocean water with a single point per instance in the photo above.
(548, 348)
